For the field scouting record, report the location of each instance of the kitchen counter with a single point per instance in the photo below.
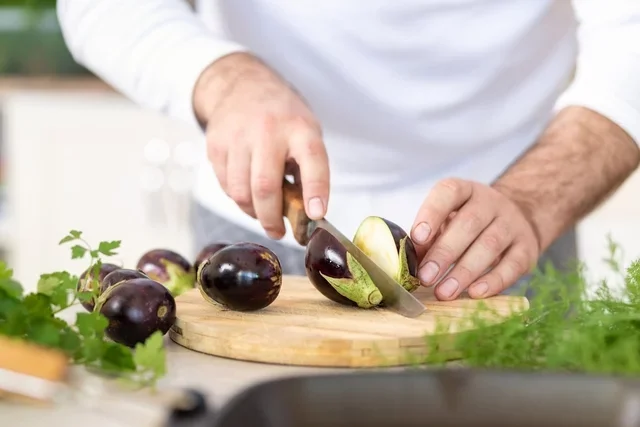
(219, 378)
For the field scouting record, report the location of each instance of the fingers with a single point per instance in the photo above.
(267, 172)
(217, 155)
(238, 181)
(446, 197)
(475, 262)
(514, 264)
(307, 148)
(468, 223)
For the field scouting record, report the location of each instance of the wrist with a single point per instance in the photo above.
(580, 159)
(218, 79)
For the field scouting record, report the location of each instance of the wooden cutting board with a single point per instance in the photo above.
(302, 327)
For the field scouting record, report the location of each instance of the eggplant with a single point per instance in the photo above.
(336, 274)
(242, 276)
(86, 282)
(135, 309)
(168, 268)
(391, 248)
(120, 275)
(206, 252)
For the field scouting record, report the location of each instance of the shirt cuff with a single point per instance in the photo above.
(192, 58)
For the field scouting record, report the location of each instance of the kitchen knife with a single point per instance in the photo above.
(396, 298)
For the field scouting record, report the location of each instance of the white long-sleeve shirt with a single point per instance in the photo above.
(408, 92)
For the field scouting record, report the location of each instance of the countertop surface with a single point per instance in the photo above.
(218, 378)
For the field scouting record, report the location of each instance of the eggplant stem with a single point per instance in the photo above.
(359, 288)
(405, 278)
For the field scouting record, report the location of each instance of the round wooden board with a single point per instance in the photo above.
(302, 327)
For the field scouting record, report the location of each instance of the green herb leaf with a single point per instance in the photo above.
(91, 325)
(108, 248)
(73, 235)
(150, 358)
(12, 288)
(78, 251)
(32, 317)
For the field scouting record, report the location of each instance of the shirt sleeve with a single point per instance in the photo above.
(607, 74)
(152, 51)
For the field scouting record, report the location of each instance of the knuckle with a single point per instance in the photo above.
(443, 253)
(264, 187)
(451, 186)
(503, 229)
(303, 122)
(316, 186)
(492, 242)
(471, 221)
(517, 264)
(240, 195)
(313, 147)
(464, 273)
(215, 151)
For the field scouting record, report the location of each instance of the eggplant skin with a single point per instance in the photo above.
(398, 234)
(137, 308)
(105, 270)
(152, 262)
(120, 275)
(324, 254)
(243, 276)
(207, 252)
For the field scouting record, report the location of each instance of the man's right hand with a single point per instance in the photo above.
(256, 125)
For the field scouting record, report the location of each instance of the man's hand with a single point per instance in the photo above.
(256, 125)
(581, 158)
(479, 228)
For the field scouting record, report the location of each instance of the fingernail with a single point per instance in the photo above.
(316, 207)
(428, 272)
(448, 287)
(479, 290)
(421, 232)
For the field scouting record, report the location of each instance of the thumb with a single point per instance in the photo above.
(308, 150)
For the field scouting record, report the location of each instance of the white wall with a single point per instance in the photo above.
(81, 161)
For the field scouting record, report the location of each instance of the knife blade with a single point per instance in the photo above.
(396, 298)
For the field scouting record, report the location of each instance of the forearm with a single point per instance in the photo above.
(577, 163)
(150, 50)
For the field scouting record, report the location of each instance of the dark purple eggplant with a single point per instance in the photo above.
(336, 274)
(207, 252)
(120, 275)
(169, 268)
(243, 277)
(135, 309)
(386, 243)
(87, 283)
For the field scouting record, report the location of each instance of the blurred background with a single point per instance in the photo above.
(74, 154)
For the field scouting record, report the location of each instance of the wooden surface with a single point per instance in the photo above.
(302, 327)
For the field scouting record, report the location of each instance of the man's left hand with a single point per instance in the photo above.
(480, 230)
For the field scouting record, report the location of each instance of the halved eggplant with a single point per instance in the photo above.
(391, 248)
(337, 274)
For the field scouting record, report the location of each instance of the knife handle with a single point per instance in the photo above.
(294, 211)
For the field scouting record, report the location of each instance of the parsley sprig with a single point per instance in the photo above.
(33, 317)
(573, 325)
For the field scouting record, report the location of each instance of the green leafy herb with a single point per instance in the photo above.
(565, 329)
(33, 317)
